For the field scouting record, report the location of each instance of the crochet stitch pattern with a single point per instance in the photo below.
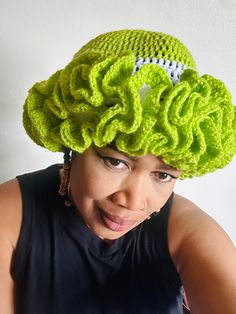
(140, 91)
(172, 68)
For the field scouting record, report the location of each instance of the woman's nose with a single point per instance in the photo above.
(132, 194)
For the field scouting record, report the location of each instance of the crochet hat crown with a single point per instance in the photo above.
(140, 91)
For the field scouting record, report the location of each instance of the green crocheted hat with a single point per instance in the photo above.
(140, 91)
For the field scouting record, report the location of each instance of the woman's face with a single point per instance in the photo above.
(114, 192)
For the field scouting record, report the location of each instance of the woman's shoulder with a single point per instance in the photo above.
(10, 211)
(16, 192)
(202, 253)
(190, 224)
(10, 224)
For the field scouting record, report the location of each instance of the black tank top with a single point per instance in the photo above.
(60, 266)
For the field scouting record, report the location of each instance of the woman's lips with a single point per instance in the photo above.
(115, 223)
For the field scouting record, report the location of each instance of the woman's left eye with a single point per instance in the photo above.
(164, 177)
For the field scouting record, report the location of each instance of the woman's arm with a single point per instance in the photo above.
(10, 221)
(205, 258)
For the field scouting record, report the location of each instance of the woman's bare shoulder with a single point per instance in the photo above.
(10, 211)
(203, 254)
(188, 222)
(10, 223)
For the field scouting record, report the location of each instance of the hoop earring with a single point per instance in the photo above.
(65, 177)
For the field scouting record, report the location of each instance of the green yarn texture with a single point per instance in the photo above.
(97, 99)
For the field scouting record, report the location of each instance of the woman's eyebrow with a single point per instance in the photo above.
(167, 167)
(134, 158)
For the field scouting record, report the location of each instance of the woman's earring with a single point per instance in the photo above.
(65, 177)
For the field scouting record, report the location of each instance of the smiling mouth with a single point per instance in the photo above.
(115, 223)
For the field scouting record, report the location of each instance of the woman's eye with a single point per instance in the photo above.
(111, 162)
(164, 177)
(115, 163)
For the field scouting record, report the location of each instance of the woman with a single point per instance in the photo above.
(132, 116)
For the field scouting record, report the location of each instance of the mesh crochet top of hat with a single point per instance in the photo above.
(142, 44)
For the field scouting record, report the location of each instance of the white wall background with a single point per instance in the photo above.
(39, 37)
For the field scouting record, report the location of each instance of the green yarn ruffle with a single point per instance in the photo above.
(97, 100)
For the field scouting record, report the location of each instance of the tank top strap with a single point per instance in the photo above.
(36, 189)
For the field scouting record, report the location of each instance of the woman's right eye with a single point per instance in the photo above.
(114, 163)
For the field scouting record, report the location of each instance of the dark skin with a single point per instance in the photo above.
(202, 252)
